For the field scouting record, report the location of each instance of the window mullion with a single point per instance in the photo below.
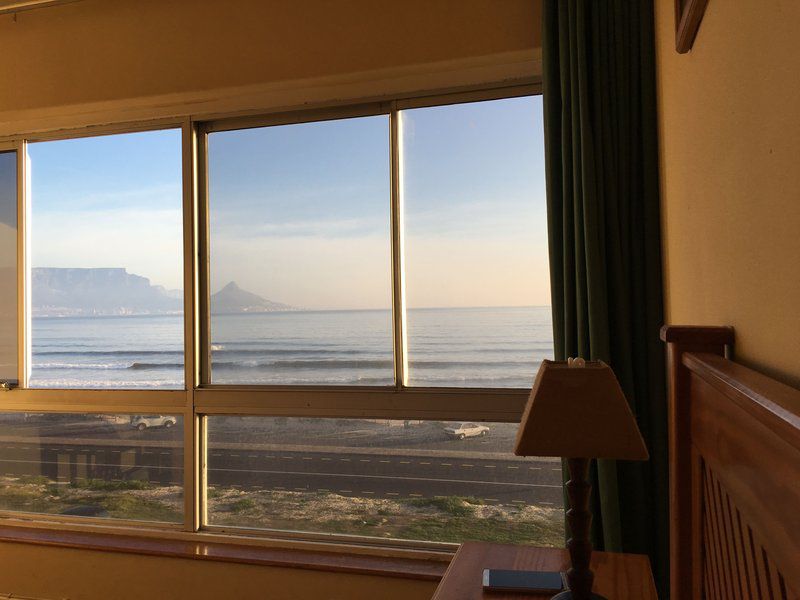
(398, 274)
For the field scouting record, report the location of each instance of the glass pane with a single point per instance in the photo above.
(8, 265)
(418, 480)
(300, 254)
(113, 466)
(477, 278)
(107, 266)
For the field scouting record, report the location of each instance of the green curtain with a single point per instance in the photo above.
(603, 221)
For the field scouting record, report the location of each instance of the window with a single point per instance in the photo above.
(300, 254)
(114, 466)
(107, 272)
(412, 480)
(366, 306)
(474, 215)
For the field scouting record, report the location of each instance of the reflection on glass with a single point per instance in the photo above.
(418, 480)
(8, 265)
(477, 282)
(106, 277)
(111, 466)
(299, 251)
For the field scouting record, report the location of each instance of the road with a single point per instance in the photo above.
(345, 471)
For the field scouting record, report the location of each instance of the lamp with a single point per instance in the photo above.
(577, 411)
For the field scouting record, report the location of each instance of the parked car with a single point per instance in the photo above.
(460, 431)
(142, 422)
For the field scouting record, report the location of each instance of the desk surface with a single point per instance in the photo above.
(617, 576)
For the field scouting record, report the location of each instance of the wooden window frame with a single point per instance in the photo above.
(200, 399)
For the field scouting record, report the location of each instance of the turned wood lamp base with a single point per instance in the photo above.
(580, 577)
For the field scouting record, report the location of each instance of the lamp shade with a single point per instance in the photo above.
(578, 412)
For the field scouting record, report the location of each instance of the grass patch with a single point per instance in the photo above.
(457, 506)
(103, 485)
(540, 532)
(243, 505)
(127, 506)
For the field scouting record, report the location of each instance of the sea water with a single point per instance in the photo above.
(461, 347)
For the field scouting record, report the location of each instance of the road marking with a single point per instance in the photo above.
(446, 464)
(392, 494)
(346, 491)
(424, 463)
(536, 468)
(547, 503)
(559, 470)
(214, 454)
(307, 458)
(252, 456)
(385, 461)
(416, 495)
(510, 467)
(367, 492)
(467, 465)
(327, 459)
(364, 476)
(364, 460)
(288, 457)
(323, 490)
(405, 462)
(491, 499)
(489, 467)
(233, 455)
(300, 489)
(344, 459)
(518, 502)
(277, 487)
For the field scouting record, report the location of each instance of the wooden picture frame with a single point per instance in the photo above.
(688, 14)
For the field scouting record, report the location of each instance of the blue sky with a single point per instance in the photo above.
(300, 213)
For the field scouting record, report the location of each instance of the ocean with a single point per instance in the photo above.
(462, 347)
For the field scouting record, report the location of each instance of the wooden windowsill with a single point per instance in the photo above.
(342, 562)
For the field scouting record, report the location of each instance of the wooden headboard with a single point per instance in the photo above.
(734, 473)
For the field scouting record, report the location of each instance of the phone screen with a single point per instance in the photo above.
(522, 581)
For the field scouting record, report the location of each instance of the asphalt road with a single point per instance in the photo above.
(345, 471)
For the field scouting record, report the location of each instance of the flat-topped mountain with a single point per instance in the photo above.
(62, 292)
(233, 299)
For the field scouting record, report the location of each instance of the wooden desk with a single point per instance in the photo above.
(617, 576)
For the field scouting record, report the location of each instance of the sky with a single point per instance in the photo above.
(300, 213)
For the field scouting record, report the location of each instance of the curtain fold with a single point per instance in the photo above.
(605, 252)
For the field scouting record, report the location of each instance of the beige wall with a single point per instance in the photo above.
(112, 51)
(60, 573)
(730, 177)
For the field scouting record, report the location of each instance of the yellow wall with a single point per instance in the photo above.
(60, 573)
(107, 51)
(97, 50)
(730, 177)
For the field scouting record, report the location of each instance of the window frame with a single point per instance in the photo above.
(201, 399)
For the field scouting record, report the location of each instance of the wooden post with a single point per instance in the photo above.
(682, 473)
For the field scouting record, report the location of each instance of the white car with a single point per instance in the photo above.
(460, 431)
(142, 422)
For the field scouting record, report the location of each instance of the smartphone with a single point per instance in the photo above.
(496, 580)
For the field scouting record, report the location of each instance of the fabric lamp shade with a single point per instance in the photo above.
(578, 410)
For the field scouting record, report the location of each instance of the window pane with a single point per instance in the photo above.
(114, 466)
(106, 278)
(418, 480)
(300, 254)
(477, 279)
(8, 265)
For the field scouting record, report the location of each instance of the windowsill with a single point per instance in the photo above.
(199, 547)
